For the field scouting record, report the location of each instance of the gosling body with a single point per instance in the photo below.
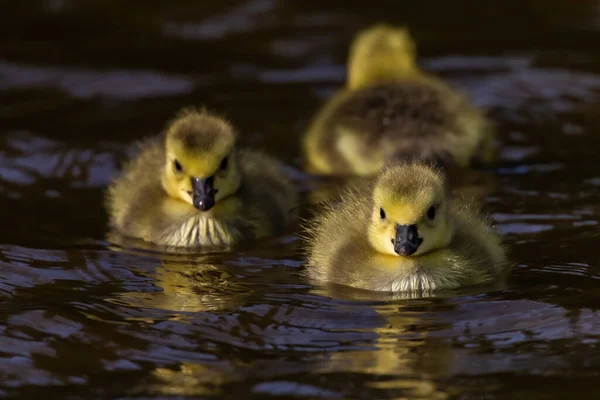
(190, 187)
(402, 233)
(393, 111)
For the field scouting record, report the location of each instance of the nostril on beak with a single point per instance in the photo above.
(407, 240)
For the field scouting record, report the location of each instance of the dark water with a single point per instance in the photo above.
(82, 318)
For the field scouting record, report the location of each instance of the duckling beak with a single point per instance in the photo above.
(203, 193)
(407, 240)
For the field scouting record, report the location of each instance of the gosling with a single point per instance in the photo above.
(190, 187)
(391, 110)
(402, 233)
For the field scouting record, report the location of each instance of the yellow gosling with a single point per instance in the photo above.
(391, 110)
(191, 187)
(403, 233)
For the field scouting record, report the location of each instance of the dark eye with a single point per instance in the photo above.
(178, 166)
(431, 212)
(223, 165)
(382, 213)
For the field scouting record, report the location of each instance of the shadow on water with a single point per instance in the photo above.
(81, 317)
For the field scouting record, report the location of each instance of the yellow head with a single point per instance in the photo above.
(201, 165)
(381, 53)
(410, 211)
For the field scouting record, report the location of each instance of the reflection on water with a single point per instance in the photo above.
(190, 286)
(86, 316)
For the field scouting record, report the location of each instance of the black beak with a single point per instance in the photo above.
(407, 240)
(203, 193)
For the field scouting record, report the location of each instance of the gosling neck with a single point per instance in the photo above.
(377, 72)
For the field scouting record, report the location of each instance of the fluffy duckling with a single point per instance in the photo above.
(190, 187)
(391, 110)
(402, 233)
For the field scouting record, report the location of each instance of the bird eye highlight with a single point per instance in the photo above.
(382, 213)
(431, 213)
(177, 166)
(223, 165)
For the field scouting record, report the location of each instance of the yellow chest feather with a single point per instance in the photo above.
(186, 227)
(429, 272)
(198, 230)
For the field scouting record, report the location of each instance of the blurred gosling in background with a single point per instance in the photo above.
(391, 110)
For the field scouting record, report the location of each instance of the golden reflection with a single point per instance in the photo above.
(189, 287)
(187, 281)
(188, 380)
(405, 360)
(193, 379)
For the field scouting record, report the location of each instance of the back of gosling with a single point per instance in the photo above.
(192, 187)
(403, 232)
(391, 110)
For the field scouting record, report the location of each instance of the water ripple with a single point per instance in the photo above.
(85, 83)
